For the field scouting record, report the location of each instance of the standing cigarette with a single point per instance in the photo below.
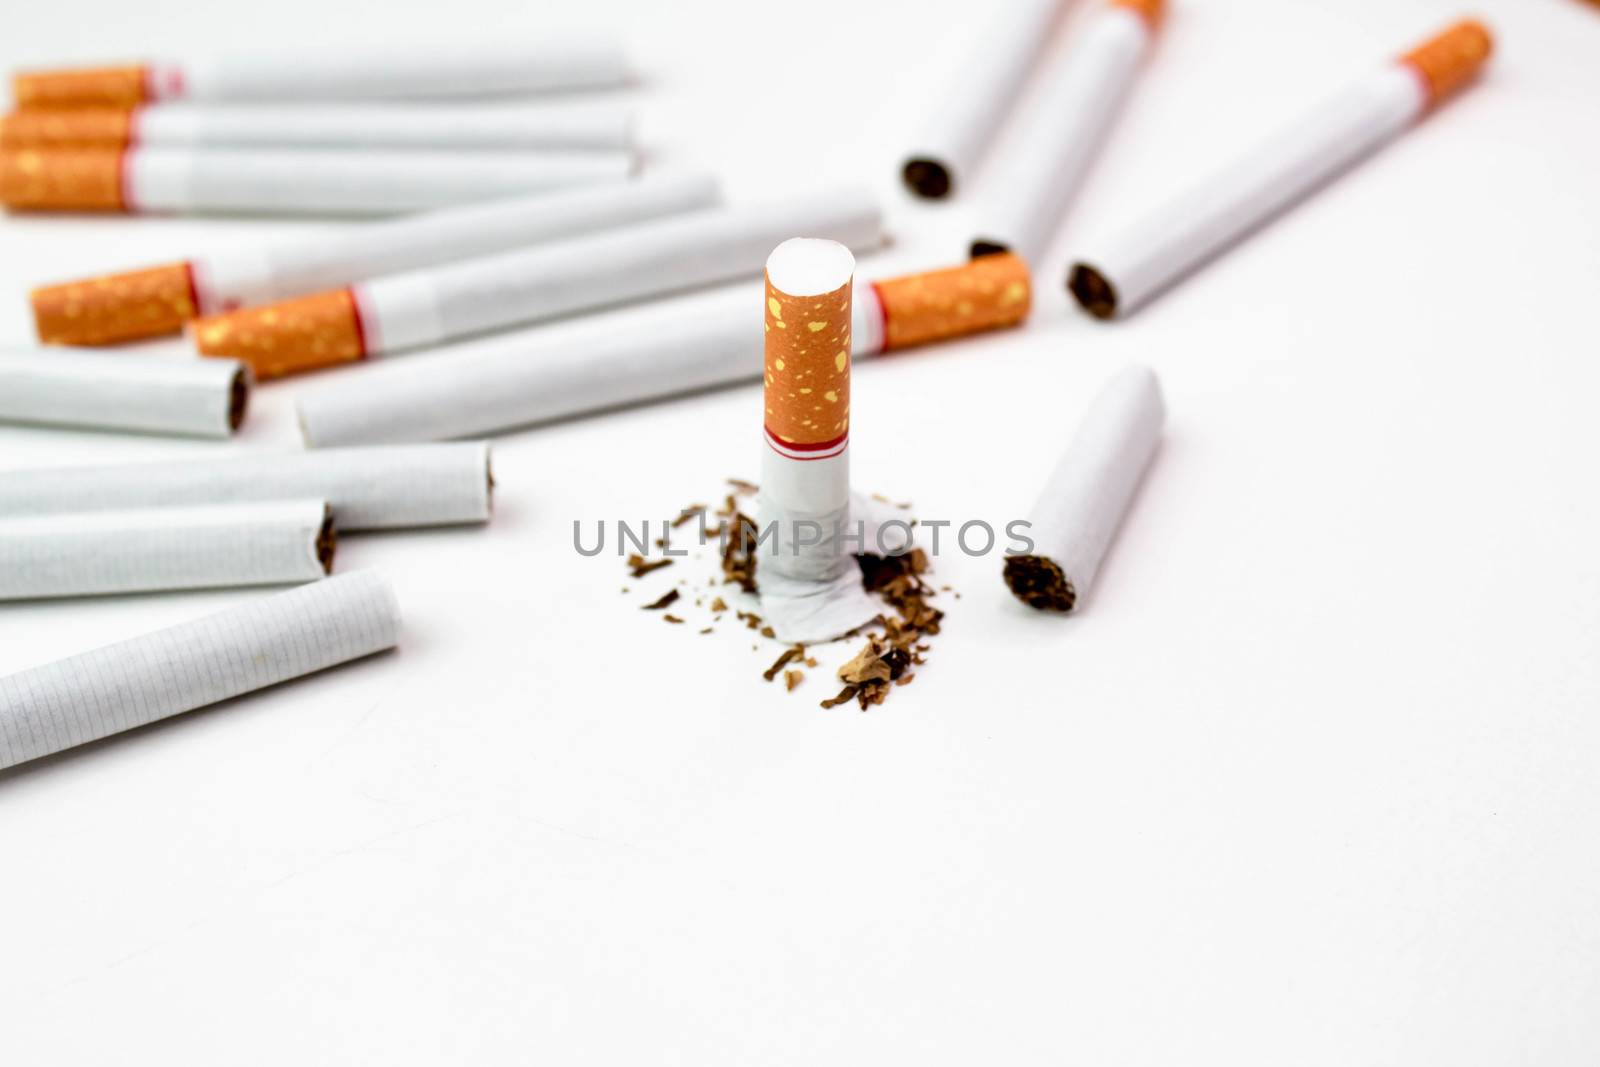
(499, 127)
(1125, 272)
(805, 468)
(429, 306)
(203, 547)
(439, 70)
(367, 488)
(123, 392)
(159, 300)
(1042, 164)
(284, 181)
(666, 349)
(129, 684)
(983, 91)
(1088, 494)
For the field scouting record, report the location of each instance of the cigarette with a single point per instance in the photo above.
(432, 305)
(392, 487)
(1088, 494)
(805, 468)
(670, 348)
(436, 71)
(982, 92)
(502, 127)
(140, 550)
(129, 684)
(1044, 160)
(285, 181)
(1118, 276)
(187, 397)
(160, 300)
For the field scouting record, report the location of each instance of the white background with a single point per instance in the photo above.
(1311, 778)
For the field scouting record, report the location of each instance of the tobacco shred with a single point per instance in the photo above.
(738, 552)
(641, 566)
(671, 618)
(666, 598)
(788, 657)
(792, 679)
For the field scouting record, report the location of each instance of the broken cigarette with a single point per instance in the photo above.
(984, 89)
(149, 394)
(431, 305)
(668, 348)
(1041, 164)
(805, 468)
(1088, 494)
(498, 127)
(1118, 276)
(159, 300)
(203, 547)
(391, 487)
(129, 684)
(437, 70)
(284, 181)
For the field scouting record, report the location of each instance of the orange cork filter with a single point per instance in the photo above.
(988, 293)
(66, 127)
(317, 331)
(808, 367)
(116, 307)
(86, 87)
(1452, 59)
(61, 179)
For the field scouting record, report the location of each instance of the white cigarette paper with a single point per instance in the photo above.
(1116, 276)
(497, 127)
(60, 387)
(440, 69)
(1089, 492)
(209, 546)
(981, 92)
(368, 488)
(132, 683)
(230, 280)
(426, 307)
(290, 181)
(1042, 162)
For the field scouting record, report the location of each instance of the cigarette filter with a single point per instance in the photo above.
(159, 300)
(427, 306)
(1127, 270)
(367, 488)
(1088, 494)
(665, 349)
(129, 684)
(805, 469)
(191, 397)
(285, 181)
(981, 94)
(437, 70)
(501, 127)
(1043, 162)
(201, 547)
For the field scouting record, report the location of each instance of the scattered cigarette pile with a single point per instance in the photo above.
(503, 206)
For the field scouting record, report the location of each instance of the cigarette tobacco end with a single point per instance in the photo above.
(327, 540)
(1039, 583)
(1092, 291)
(927, 178)
(238, 397)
